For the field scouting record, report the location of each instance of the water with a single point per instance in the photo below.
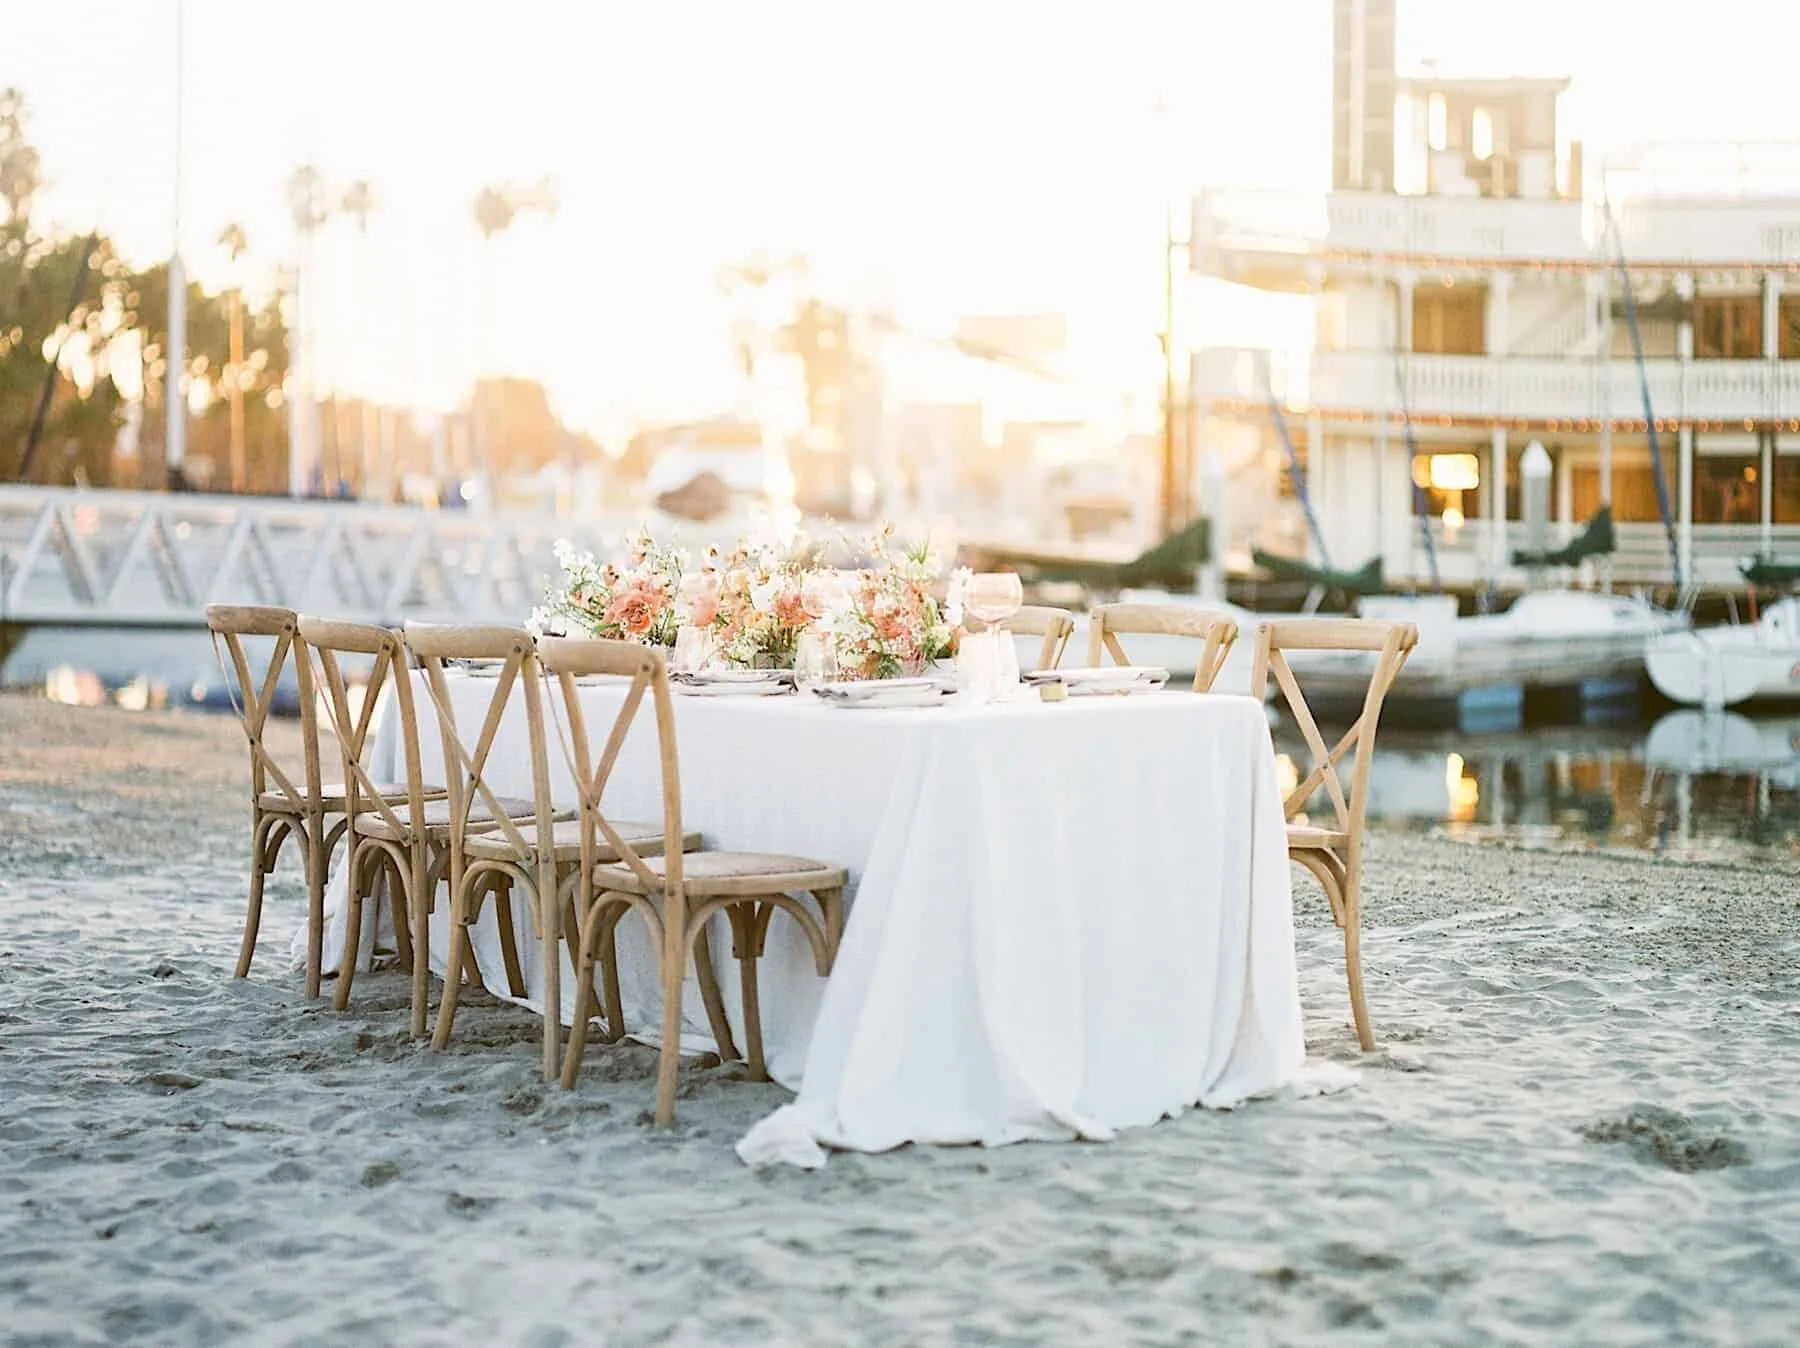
(1680, 784)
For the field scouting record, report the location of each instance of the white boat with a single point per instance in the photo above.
(1730, 666)
(1723, 741)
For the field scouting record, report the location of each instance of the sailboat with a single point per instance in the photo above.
(1731, 666)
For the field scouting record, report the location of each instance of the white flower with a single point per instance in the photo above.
(954, 595)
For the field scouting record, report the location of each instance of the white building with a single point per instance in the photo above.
(1465, 273)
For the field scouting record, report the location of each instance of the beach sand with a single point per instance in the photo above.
(1583, 1126)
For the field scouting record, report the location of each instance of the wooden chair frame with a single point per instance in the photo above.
(676, 922)
(301, 812)
(407, 856)
(1335, 855)
(1055, 625)
(465, 771)
(1217, 630)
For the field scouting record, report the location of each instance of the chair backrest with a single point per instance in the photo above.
(465, 762)
(1054, 625)
(568, 658)
(1391, 643)
(329, 639)
(1216, 631)
(229, 625)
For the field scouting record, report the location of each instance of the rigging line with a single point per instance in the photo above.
(1296, 470)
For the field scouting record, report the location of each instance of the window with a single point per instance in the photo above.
(1787, 327)
(1452, 486)
(1787, 488)
(1728, 327)
(1450, 321)
(1727, 489)
(1286, 487)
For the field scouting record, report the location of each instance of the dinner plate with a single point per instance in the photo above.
(1107, 679)
(735, 683)
(873, 693)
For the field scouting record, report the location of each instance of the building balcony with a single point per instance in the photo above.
(1273, 239)
(1487, 389)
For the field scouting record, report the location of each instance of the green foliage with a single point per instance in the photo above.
(74, 302)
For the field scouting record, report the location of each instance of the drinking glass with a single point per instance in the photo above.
(815, 660)
(693, 649)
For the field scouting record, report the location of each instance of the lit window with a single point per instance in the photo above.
(1481, 134)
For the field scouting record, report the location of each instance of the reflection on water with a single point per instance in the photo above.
(1684, 784)
(1689, 784)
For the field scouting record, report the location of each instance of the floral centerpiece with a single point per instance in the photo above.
(629, 601)
(752, 606)
(886, 621)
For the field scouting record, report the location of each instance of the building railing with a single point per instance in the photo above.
(1573, 389)
(1701, 232)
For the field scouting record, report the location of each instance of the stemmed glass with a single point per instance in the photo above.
(991, 598)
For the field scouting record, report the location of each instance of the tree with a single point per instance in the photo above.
(20, 171)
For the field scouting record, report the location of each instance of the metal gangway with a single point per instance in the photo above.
(103, 558)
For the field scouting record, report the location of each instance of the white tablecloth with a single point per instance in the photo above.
(1066, 918)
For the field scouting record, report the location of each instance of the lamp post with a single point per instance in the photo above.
(174, 394)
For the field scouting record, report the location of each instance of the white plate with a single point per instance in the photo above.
(1108, 679)
(764, 688)
(739, 676)
(884, 693)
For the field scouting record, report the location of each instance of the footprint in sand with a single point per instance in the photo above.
(1664, 1137)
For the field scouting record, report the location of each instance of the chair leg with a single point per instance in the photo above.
(584, 995)
(744, 917)
(261, 863)
(609, 973)
(457, 953)
(710, 996)
(420, 903)
(509, 944)
(674, 974)
(317, 862)
(1359, 1007)
(353, 916)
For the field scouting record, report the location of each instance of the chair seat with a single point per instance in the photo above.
(332, 796)
(1309, 838)
(644, 839)
(437, 818)
(722, 874)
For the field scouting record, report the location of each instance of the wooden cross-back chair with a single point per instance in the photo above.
(1334, 854)
(300, 805)
(1054, 625)
(539, 858)
(676, 894)
(408, 837)
(1216, 631)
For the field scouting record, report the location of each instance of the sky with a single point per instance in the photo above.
(934, 157)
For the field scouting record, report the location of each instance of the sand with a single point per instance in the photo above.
(1584, 1126)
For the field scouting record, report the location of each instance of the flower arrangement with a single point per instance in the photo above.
(755, 603)
(629, 601)
(753, 607)
(886, 621)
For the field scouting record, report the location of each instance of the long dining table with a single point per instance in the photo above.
(1065, 918)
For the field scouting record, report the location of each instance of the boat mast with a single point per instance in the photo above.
(175, 365)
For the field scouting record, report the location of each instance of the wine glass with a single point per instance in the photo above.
(815, 659)
(994, 596)
(991, 598)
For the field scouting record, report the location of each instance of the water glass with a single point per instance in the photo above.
(815, 660)
(693, 649)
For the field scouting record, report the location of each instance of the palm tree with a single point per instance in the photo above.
(236, 243)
